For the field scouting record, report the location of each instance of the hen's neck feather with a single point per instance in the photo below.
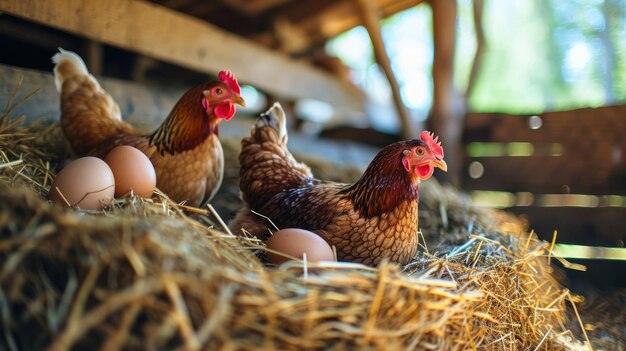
(187, 125)
(384, 185)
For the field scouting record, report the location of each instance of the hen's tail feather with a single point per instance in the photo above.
(89, 115)
(68, 64)
(275, 118)
(267, 166)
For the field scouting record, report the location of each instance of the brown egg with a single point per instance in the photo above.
(295, 242)
(86, 182)
(132, 171)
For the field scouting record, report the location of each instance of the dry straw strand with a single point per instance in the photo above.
(150, 273)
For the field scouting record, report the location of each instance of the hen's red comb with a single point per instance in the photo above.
(432, 141)
(230, 80)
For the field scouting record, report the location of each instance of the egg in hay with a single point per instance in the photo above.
(86, 182)
(295, 242)
(132, 170)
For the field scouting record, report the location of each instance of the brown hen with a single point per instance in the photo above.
(185, 150)
(372, 219)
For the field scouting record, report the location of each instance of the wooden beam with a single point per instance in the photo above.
(371, 19)
(546, 174)
(340, 17)
(601, 226)
(584, 127)
(254, 7)
(161, 33)
(142, 106)
(146, 106)
(577, 151)
(37, 36)
(298, 11)
(447, 110)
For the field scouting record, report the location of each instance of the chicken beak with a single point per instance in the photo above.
(239, 101)
(441, 164)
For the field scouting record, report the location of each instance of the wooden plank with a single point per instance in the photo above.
(36, 36)
(598, 124)
(164, 34)
(147, 106)
(592, 157)
(546, 174)
(602, 226)
(342, 16)
(141, 106)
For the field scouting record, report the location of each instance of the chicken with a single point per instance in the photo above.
(372, 219)
(185, 150)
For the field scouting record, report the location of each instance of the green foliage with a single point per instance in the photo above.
(540, 55)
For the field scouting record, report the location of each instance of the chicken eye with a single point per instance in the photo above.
(218, 91)
(419, 151)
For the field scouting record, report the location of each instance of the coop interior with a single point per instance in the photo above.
(520, 243)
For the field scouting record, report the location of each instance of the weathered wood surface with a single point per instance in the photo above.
(321, 19)
(146, 107)
(599, 226)
(140, 106)
(548, 175)
(592, 160)
(173, 37)
(448, 108)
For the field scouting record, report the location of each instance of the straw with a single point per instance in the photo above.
(150, 273)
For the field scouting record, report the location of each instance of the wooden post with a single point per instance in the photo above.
(93, 57)
(447, 110)
(480, 48)
(371, 19)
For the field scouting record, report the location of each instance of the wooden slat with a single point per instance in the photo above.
(593, 158)
(142, 106)
(342, 16)
(161, 33)
(601, 124)
(547, 175)
(254, 7)
(146, 107)
(602, 226)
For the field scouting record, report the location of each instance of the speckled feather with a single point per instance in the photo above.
(186, 152)
(373, 218)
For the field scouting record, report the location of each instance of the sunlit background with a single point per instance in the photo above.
(540, 55)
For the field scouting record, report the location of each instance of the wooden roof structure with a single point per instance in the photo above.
(292, 26)
(270, 44)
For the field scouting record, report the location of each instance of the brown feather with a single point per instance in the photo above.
(186, 126)
(184, 150)
(375, 217)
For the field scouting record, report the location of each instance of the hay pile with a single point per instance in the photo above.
(144, 275)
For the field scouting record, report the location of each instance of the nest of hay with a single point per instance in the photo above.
(144, 274)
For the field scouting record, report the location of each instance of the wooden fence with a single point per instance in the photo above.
(562, 171)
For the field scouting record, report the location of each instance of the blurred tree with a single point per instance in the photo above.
(539, 55)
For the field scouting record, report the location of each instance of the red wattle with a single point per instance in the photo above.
(423, 171)
(225, 110)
